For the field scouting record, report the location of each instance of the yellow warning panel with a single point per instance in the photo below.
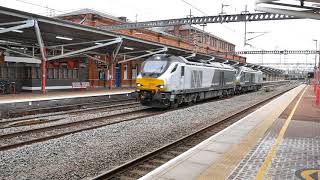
(308, 174)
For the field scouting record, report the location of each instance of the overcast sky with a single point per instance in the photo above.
(285, 34)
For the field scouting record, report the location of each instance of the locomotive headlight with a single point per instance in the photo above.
(138, 85)
(160, 86)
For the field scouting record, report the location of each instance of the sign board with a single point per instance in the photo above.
(80, 84)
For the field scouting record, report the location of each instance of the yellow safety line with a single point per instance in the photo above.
(263, 169)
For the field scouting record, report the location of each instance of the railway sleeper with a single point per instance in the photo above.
(137, 172)
(166, 157)
(125, 177)
(158, 161)
(147, 167)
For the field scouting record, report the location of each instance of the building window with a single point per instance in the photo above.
(199, 38)
(70, 74)
(28, 73)
(65, 73)
(55, 73)
(125, 72)
(19, 72)
(134, 71)
(1, 72)
(50, 73)
(39, 73)
(101, 74)
(5, 73)
(75, 73)
(34, 72)
(60, 73)
(11, 72)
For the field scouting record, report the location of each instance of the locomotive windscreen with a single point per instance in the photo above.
(156, 65)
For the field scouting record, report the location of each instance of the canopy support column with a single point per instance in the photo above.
(44, 57)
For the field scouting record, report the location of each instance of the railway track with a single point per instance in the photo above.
(150, 161)
(21, 138)
(43, 118)
(34, 111)
(17, 139)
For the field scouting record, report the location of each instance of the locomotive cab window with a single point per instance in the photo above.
(155, 66)
(175, 68)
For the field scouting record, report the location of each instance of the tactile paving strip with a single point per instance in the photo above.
(295, 154)
(249, 166)
(299, 150)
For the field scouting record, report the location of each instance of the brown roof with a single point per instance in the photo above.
(90, 11)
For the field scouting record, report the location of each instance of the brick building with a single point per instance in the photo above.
(173, 36)
(63, 73)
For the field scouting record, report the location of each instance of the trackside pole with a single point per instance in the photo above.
(44, 72)
(111, 75)
(44, 58)
(318, 88)
(314, 79)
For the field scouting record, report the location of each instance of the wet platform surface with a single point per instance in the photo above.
(281, 140)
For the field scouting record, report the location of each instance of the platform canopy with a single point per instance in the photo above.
(44, 38)
(18, 34)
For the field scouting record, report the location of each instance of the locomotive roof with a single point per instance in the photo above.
(181, 59)
(247, 69)
(226, 66)
(209, 64)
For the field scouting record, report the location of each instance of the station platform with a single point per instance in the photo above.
(280, 140)
(55, 95)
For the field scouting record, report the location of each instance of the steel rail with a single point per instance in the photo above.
(77, 112)
(34, 111)
(7, 140)
(124, 169)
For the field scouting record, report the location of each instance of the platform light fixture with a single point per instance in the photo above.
(64, 38)
(128, 48)
(8, 42)
(17, 48)
(17, 31)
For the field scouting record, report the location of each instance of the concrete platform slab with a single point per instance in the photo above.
(219, 155)
(204, 157)
(290, 149)
(26, 97)
(187, 170)
(218, 147)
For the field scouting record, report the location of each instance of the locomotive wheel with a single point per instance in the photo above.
(190, 103)
(174, 105)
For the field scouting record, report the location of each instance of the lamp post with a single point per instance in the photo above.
(315, 68)
(318, 82)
